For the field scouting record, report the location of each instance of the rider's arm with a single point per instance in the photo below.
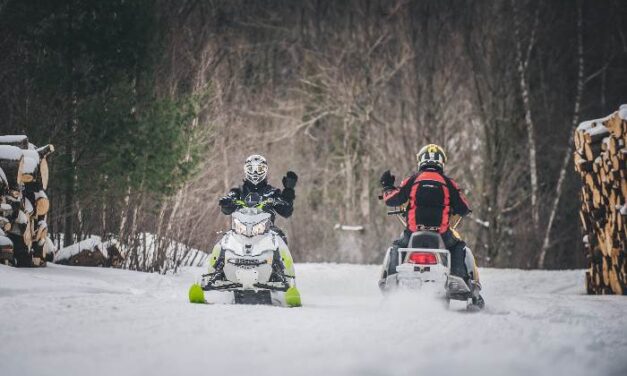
(284, 202)
(227, 202)
(459, 202)
(399, 196)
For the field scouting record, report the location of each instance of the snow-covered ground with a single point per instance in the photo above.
(91, 321)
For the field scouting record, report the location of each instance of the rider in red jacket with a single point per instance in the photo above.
(431, 198)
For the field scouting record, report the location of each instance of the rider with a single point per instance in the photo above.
(432, 199)
(256, 174)
(277, 201)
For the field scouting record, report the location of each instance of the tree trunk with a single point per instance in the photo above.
(566, 160)
(69, 192)
(522, 65)
(124, 211)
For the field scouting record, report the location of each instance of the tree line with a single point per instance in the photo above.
(154, 105)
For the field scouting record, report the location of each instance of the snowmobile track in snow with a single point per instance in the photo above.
(76, 321)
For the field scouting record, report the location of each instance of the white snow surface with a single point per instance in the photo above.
(64, 320)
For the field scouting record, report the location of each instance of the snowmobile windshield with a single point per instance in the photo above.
(250, 222)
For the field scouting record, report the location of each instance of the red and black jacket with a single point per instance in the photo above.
(432, 199)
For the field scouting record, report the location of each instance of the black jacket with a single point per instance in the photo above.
(283, 200)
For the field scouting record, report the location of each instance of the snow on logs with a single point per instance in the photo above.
(601, 160)
(90, 252)
(23, 202)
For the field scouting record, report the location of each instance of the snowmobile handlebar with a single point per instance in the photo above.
(259, 205)
(396, 212)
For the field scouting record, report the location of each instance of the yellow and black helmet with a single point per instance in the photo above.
(431, 156)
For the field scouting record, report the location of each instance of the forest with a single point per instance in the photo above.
(154, 105)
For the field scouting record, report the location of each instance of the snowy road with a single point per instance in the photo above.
(92, 321)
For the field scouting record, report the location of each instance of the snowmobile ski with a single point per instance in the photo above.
(196, 294)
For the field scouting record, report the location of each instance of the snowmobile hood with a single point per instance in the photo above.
(251, 216)
(250, 246)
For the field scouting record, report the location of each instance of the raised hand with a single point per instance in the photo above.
(387, 180)
(290, 179)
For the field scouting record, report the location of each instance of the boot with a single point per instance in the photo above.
(392, 261)
(478, 302)
(216, 275)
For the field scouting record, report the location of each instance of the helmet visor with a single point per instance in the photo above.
(256, 168)
(255, 171)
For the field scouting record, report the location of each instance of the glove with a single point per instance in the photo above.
(290, 179)
(226, 201)
(387, 180)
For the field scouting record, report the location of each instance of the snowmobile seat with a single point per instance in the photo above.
(426, 239)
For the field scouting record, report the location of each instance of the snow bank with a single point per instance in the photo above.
(175, 253)
(93, 244)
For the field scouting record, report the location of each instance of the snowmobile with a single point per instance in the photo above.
(425, 266)
(251, 264)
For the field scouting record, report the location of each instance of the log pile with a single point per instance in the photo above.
(91, 252)
(601, 159)
(24, 204)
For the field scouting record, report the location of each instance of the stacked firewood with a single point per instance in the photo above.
(24, 204)
(601, 160)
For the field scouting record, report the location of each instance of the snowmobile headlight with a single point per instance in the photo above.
(239, 227)
(260, 228)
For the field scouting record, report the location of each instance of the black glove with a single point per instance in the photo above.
(387, 180)
(290, 179)
(226, 201)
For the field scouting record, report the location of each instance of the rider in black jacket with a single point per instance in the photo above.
(256, 172)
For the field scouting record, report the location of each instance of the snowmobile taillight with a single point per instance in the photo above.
(423, 258)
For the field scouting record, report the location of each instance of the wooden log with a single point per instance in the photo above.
(589, 284)
(577, 140)
(591, 151)
(614, 283)
(582, 164)
(30, 171)
(600, 159)
(614, 125)
(583, 219)
(12, 163)
(595, 134)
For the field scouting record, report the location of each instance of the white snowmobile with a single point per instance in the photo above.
(425, 265)
(251, 264)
